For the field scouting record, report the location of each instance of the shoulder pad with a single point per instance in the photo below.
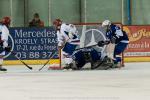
(115, 27)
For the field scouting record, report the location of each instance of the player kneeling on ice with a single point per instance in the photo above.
(67, 41)
(118, 37)
(4, 32)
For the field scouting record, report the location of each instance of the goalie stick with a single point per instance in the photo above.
(47, 61)
(14, 54)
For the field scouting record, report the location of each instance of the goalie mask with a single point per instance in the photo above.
(57, 23)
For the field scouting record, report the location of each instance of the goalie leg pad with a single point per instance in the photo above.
(79, 59)
(68, 60)
(95, 55)
(107, 63)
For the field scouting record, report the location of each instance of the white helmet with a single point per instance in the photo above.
(106, 23)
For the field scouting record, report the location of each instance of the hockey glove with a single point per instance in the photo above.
(107, 42)
(8, 49)
(102, 43)
(113, 40)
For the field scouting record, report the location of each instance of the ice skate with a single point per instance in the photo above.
(3, 69)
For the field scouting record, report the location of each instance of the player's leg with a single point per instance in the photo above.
(1, 61)
(67, 59)
(69, 48)
(119, 48)
(67, 52)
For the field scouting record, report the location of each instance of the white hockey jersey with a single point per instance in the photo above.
(67, 33)
(4, 33)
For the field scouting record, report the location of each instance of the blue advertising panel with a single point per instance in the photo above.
(32, 43)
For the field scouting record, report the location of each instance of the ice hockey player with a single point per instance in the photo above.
(68, 40)
(118, 37)
(4, 32)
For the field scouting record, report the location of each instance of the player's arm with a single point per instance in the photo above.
(73, 33)
(102, 43)
(4, 36)
(4, 39)
(116, 35)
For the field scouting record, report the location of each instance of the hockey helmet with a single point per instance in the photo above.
(57, 22)
(6, 21)
(106, 23)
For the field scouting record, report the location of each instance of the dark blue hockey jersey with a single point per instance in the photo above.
(116, 33)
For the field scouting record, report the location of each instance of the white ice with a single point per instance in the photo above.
(129, 83)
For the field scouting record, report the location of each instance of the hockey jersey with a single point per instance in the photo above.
(118, 34)
(67, 33)
(4, 33)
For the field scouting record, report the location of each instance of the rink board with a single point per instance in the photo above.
(41, 46)
(138, 49)
(137, 59)
(31, 62)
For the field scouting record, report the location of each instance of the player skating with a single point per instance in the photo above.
(117, 37)
(4, 32)
(68, 40)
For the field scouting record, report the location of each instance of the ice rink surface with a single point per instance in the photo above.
(129, 83)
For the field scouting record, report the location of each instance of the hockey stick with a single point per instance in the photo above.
(100, 44)
(47, 61)
(14, 54)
